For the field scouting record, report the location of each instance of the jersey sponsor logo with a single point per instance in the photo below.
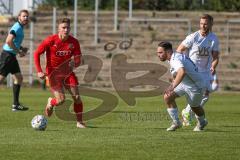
(63, 53)
(204, 51)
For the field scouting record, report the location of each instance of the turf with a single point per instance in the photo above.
(137, 132)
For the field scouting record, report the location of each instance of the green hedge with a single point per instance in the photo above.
(215, 5)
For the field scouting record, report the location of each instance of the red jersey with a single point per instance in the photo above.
(58, 52)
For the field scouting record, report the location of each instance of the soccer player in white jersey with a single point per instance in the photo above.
(186, 81)
(202, 47)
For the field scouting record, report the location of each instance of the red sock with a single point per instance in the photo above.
(78, 109)
(53, 102)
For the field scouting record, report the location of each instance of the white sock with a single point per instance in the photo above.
(188, 108)
(204, 101)
(173, 112)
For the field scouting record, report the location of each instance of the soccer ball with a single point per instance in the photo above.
(39, 122)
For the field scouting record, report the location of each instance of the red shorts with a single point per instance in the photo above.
(57, 81)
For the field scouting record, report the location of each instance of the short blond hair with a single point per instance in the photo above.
(64, 20)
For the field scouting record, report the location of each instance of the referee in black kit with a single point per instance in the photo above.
(8, 61)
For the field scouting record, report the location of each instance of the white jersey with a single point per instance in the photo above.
(200, 49)
(192, 77)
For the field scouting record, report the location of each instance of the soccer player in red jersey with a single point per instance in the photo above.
(63, 54)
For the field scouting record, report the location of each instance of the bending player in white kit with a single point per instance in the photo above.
(186, 81)
(202, 47)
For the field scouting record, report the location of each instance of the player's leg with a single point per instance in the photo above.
(78, 106)
(3, 68)
(205, 98)
(213, 86)
(208, 79)
(172, 108)
(200, 116)
(187, 113)
(58, 99)
(187, 116)
(71, 83)
(194, 98)
(57, 88)
(17, 82)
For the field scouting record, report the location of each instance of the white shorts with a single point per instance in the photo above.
(193, 94)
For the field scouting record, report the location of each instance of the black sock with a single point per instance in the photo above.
(16, 91)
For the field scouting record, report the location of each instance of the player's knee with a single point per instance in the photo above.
(198, 111)
(77, 99)
(167, 98)
(204, 100)
(60, 100)
(18, 79)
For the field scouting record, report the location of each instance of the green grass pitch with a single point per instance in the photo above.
(137, 133)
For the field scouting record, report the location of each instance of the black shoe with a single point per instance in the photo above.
(19, 108)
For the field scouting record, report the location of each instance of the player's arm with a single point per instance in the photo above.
(179, 77)
(9, 41)
(77, 60)
(38, 52)
(215, 55)
(181, 48)
(186, 44)
(77, 55)
(177, 80)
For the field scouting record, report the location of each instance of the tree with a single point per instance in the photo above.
(60, 3)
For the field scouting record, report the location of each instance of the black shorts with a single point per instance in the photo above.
(8, 64)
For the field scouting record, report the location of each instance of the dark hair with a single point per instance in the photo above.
(64, 20)
(208, 17)
(23, 11)
(165, 45)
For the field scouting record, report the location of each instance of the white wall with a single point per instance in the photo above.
(21, 4)
(3, 10)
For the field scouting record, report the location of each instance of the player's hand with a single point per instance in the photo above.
(41, 75)
(23, 51)
(212, 70)
(21, 54)
(169, 90)
(71, 64)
